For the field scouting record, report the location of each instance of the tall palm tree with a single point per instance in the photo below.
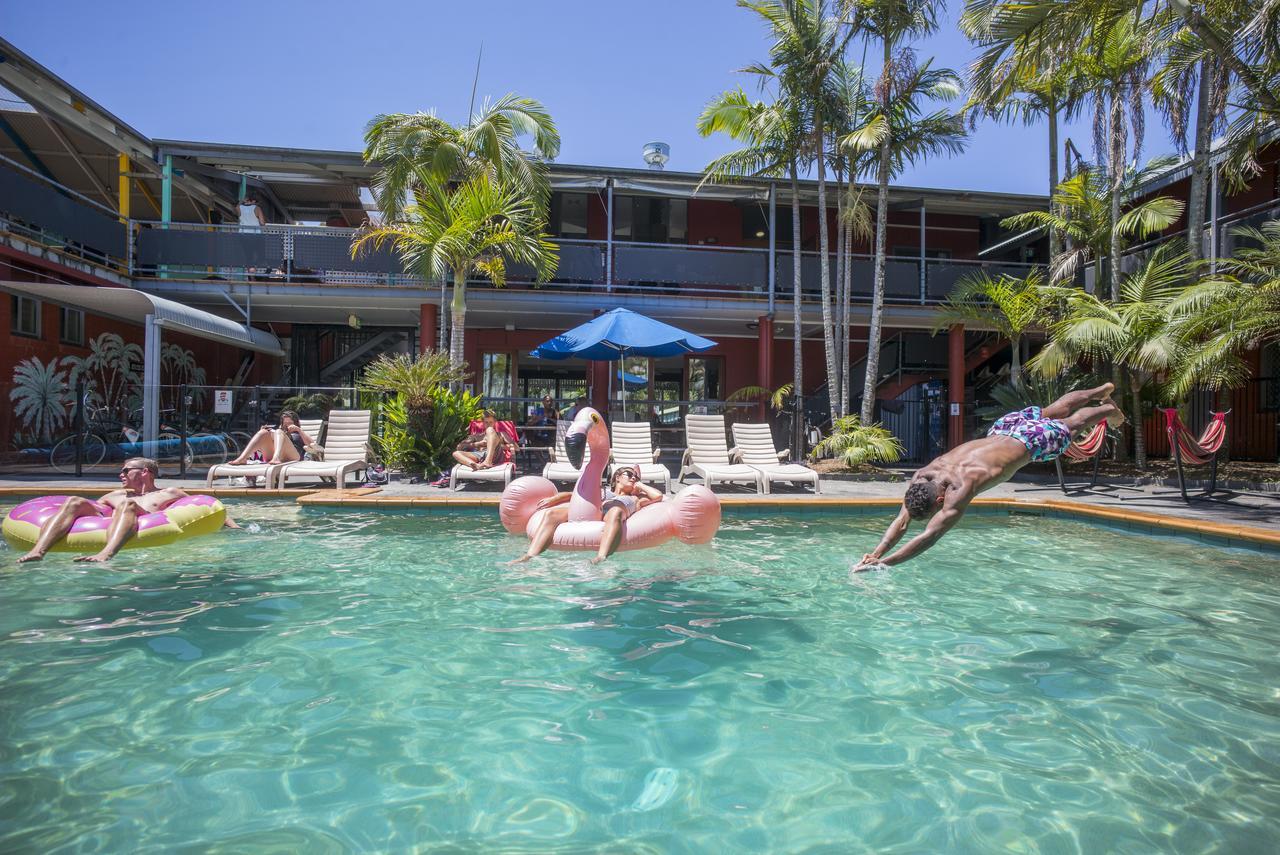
(1012, 306)
(414, 150)
(807, 44)
(477, 227)
(901, 133)
(773, 145)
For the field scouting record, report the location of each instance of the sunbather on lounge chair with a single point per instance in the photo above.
(942, 490)
(480, 449)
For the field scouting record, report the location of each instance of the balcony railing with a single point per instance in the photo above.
(55, 216)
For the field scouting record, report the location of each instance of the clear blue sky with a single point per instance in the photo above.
(310, 74)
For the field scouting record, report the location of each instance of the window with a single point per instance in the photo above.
(649, 219)
(495, 380)
(704, 378)
(71, 326)
(26, 315)
(755, 224)
(569, 215)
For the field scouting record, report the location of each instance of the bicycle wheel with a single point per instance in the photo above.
(168, 447)
(63, 455)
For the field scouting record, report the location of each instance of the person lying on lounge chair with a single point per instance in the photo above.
(942, 490)
(286, 443)
(625, 495)
(480, 449)
(138, 495)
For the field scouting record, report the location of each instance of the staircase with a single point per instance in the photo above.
(353, 351)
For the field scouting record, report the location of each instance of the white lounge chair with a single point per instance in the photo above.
(560, 469)
(707, 455)
(501, 472)
(345, 450)
(755, 444)
(632, 445)
(311, 427)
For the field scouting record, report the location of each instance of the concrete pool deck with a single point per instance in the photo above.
(1232, 518)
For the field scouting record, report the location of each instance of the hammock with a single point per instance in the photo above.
(1186, 446)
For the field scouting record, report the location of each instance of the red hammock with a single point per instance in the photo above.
(1184, 444)
(1090, 445)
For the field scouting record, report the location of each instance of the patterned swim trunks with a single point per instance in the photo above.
(1046, 439)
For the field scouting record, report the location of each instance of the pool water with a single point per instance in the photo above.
(379, 681)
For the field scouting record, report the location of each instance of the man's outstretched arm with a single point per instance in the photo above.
(939, 525)
(892, 535)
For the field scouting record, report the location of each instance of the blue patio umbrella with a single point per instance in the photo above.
(632, 379)
(620, 333)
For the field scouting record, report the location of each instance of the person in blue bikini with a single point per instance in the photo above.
(942, 490)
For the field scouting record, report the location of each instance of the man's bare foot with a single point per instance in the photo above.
(97, 559)
(31, 556)
(1118, 417)
(599, 559)
(1106, 389)
(522, 559)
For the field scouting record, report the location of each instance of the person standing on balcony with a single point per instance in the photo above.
(251, 217)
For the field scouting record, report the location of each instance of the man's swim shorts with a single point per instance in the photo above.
(1046, 439)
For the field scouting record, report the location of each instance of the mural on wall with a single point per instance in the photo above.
(43, 394)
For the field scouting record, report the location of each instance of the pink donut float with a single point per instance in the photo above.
(692, 515)
(187, 517)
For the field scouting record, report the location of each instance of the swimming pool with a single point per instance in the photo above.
(376, 680)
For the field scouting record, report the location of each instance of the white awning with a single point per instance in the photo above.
(133, 306)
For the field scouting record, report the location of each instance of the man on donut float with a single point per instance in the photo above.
(138, 495)
(625, 495)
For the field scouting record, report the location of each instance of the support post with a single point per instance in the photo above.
(764, 361)
(182, 431)
(244, 187)
(78, 424)
(151, 382)
(608, 236)
(166, 202)
(955, 386)
(924, 290)
(122, 163)
(773, 249)
(427, 319)
(1213, 217)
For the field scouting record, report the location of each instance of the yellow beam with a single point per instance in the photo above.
(123, 161)
(147, 194)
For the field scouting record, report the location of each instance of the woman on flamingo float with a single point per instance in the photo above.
(625, 495)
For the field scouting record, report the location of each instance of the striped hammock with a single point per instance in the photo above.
(1087, 447)
(1195, 451)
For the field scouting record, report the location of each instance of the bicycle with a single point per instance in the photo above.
(99, 425)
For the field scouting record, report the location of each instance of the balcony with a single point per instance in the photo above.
(56, 217)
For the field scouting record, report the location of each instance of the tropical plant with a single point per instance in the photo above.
(414, 379)
(415, 151)
(1081, 211)
(1140, 333)
(773, 144)
(807, 44)
(899, 130)
(476, 227)
(777, 398)
(1012, 306)
(854, 443)
(41, 396)
(1231, 312)
(112, 374)
(425, 448)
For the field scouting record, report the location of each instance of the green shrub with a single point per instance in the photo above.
(421, 440)
(854, 443)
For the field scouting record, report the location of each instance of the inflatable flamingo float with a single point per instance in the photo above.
(692, 515)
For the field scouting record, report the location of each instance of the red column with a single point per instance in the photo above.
(600, 386)
(428, 322)
(955, 386)
(764, 360)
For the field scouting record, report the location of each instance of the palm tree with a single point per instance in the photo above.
(1081, 210)
(477, 227)
(807, 45)
(415, 380)
(902, 135)
(1139, 332)
(41, 397)
(1231, 312)
(415, 150)
(772, 134)
(1012, 306)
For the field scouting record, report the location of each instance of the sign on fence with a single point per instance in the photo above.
(222, 401)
